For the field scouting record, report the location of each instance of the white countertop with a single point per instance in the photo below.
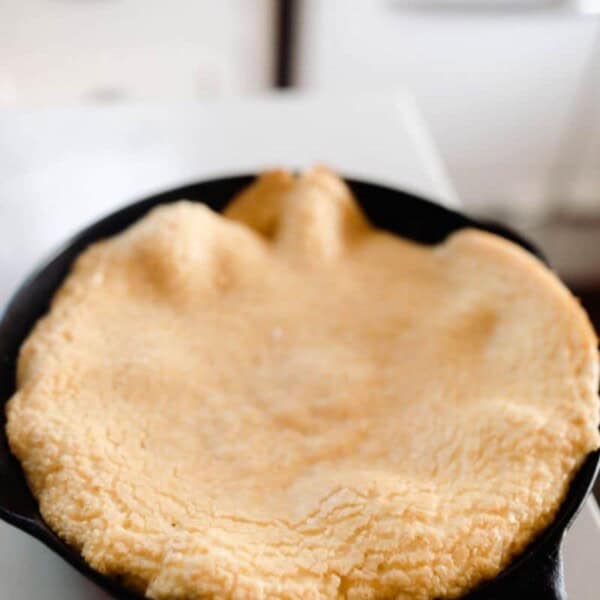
(62, 168)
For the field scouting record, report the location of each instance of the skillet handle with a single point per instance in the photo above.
(543, 578)
(539, 576)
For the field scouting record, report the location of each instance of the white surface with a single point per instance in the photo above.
(497, 89)
(59, 169)
(582, 555)
(62, 168)
(69, 51)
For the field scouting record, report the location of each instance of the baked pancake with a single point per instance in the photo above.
(285, 402)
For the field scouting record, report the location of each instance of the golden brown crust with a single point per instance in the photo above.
(291, 404)
(259, 205)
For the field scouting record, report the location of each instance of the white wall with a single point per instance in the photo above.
(73, 51)
(497, 89)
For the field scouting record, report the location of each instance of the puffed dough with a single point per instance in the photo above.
(284, 402)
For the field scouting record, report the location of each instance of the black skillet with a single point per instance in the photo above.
(536, 573)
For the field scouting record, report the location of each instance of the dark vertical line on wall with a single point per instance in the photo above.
(285, 23)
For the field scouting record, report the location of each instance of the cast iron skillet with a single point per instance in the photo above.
(537, 573)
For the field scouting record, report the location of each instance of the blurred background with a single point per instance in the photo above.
(510, 89)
